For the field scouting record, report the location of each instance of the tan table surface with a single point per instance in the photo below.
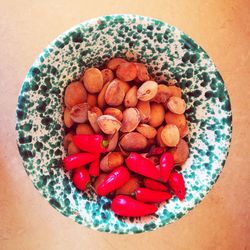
(221, 221)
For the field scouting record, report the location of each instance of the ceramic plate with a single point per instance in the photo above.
(168, 53)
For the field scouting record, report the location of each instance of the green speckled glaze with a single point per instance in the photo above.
(169, 53)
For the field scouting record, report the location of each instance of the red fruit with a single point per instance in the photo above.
(177, 183)
(81, 178)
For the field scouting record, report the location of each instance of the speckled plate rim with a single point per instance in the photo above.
(52, 46)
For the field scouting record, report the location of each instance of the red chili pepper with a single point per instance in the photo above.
(117, 178)
(166, 165)
(91, 143)
(148, 195)
(154, 185)
(126, 206)
(78, 160)
(177, 183)
(94, 168)
(143, 166)
(81, 178)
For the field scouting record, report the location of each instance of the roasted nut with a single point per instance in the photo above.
(67, 140)
(124, 85)
(184, 131)
(142, 72)
(75, 93)
(158, 137)
(92, 100)
(133, 142)
(163, 94)
(178, 120)
(144, 110)
(176, 105)
(84, 129)
(129, 187)
(148, 131)
(117, 113)
(112, 141)
(130, 99)
(114, 94)
(157, 114)
(180, 152)
(96, 110)
(79, 112)
(126, 71)
(111, 161)
(175, 91)
(108, 124)
(101, 97)
(92, 117)
(115, 62)
(107, 75)
(131, 119)
(72, 149)
(147, 91)
(170, 135)
(67, 119)
(93, 80)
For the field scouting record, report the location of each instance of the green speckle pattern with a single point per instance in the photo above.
(169, 53)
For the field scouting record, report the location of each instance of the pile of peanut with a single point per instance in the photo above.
(131, 110)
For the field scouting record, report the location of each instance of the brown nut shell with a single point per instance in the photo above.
(148, 131)
(180, 152)
(67, 119)
(144, 110)
(157, 114)
(75, 93)
(107, 75)
(131, 119)
(93, 80)
(147, 91)
(84, 129)
(133, 142)
(176, 105)
(114, 94)
(117, 113)
(108, 124)
(79, 112)
(170, 135)
(130, 99)
(111, 161)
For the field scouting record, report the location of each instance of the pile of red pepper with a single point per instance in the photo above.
(156, 181)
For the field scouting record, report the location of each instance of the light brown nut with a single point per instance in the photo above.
(158, 137)
(96, 110)
(131, 119)
(115, 62)
(75, 93)
(133, 142)
(126, 71)
(124, 85)
(163, 94)
(108, 124)
(144, 110)
(117, 113)
(129, 187)
(180, 152)
(111, 161)
(93, 80)
(130, 99)
(114, 94)
(79, 112)
(101, 97)
(92, 117)
(157, 114)
(67, 140)
(170, 135)
(84, 129)
(107, 75)
(92, 100)
(72, 149)
(176, 105)
(67, 119)
(112, 141)
(178, 120)
(184, 131)
(147, 91)
(142, 72)
(148, 131)
(99, 180)
(175, 91)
